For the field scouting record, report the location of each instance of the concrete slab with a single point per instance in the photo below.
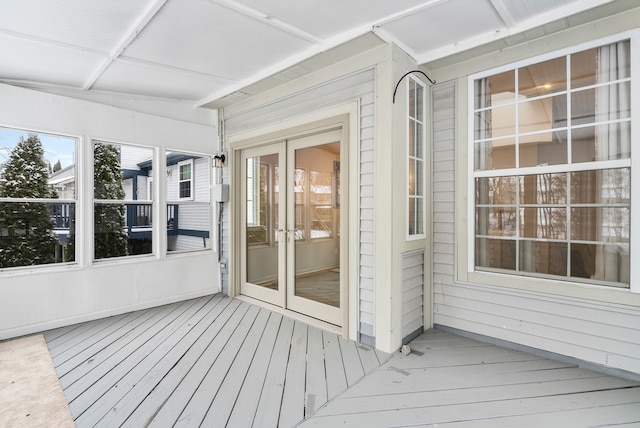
(30, 393)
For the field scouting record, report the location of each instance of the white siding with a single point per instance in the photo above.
(127, 185)
(412, 295)
(367, 204)
(356, 86)
(193, 215)
(201, 181)
(131, 156)
(173, 179)
(443, 206)
(188, 243)
(143, 188)
(605, 334)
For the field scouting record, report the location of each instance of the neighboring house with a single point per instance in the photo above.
(496, 202)
(63, 182)
(187, 180)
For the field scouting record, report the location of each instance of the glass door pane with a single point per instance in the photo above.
(317, 244)
(314, 281)
(262, 237)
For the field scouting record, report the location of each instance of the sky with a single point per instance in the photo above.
(56, 147)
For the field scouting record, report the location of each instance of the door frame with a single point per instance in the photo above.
(346, 117)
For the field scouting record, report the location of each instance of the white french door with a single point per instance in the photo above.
(290, 217)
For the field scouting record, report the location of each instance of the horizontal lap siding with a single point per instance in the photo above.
(443, 158)
(367, 202)
(600, 333)
(131, 156)
(188, 243)
(412, 295)
(359, 86)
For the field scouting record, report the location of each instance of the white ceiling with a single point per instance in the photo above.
(202, 52)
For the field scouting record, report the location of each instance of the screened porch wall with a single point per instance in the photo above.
(42, 297)
(358, 86)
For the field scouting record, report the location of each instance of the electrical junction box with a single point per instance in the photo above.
(221, 192)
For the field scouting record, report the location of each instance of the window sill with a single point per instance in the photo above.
(566, 289)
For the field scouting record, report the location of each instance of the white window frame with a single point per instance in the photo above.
(634, 241)
(193, 201)
(149, 201)
(191, 196)
(76, 201)
(423, 160)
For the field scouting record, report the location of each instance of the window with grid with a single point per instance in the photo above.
(551, 166)
(186, 182)
(415, 158)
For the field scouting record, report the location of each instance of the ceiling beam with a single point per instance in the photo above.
(319, 45)
(503, 13)
(49, 42)
(153, 7)
(408, 12)
(267, 19)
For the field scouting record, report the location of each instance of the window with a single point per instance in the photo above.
(186, 182)
(188, 201)
(415, 158)
(551, 164)
(122, 205)
(37, 198)
(258, 179)
(320, 203)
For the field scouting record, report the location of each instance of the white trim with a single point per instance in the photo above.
(634, 238)
(423, 197)
(192, 189)
(630, 34)
(348, 115)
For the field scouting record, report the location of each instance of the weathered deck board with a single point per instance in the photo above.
(293, 396)
(116, 388)
(199, 404)
(427, 415)
(182, 393)
(222, 405)
(453, 381)
(208, 362)
(267, 411)
(217, 361)
(246, 400)
(149, 381)
(336, 377)
(316, 385)
(85, 375)
(352, 364)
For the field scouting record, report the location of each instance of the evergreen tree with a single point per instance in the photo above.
(57, 166)
(110, 239)
(26, 228)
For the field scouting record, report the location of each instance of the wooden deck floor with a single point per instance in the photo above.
(211, 362)
(217, 361)
(451, 381)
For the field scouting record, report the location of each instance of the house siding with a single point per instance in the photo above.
(193, 215)
(358, 86)
(443, 192)
(412, 295)
(131, 155)
(601, 333)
